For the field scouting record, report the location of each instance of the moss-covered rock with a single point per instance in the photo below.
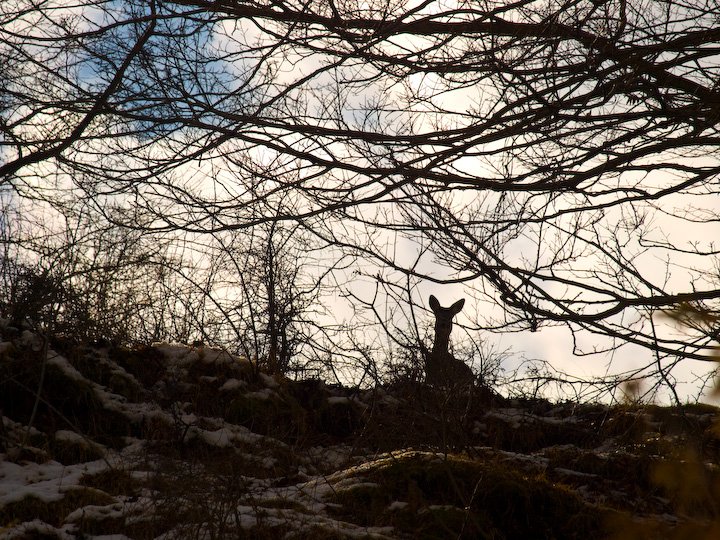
(70, 448)
(53, 512)
(456, 497)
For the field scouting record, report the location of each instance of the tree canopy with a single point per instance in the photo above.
(558, 159)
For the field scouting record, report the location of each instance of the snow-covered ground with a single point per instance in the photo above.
(172, 441)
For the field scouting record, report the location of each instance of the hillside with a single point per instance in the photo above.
(172, 441)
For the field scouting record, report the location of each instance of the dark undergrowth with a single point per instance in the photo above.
(191, 442)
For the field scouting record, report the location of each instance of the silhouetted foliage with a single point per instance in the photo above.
(558, 159)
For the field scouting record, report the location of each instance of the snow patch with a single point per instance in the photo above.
(46, 481)
(37, 528)
(177, 354)
(233, 384)
(96, 513)
(262, 394)
(268, 380)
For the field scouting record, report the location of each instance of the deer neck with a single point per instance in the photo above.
(442, 341)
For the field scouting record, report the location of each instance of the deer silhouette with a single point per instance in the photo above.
(441, 367)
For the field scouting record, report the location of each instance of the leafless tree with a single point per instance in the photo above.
(558, 158)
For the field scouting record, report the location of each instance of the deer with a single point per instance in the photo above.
(441, 367)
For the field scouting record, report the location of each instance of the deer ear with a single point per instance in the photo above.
(457, 306)
(434, 304)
